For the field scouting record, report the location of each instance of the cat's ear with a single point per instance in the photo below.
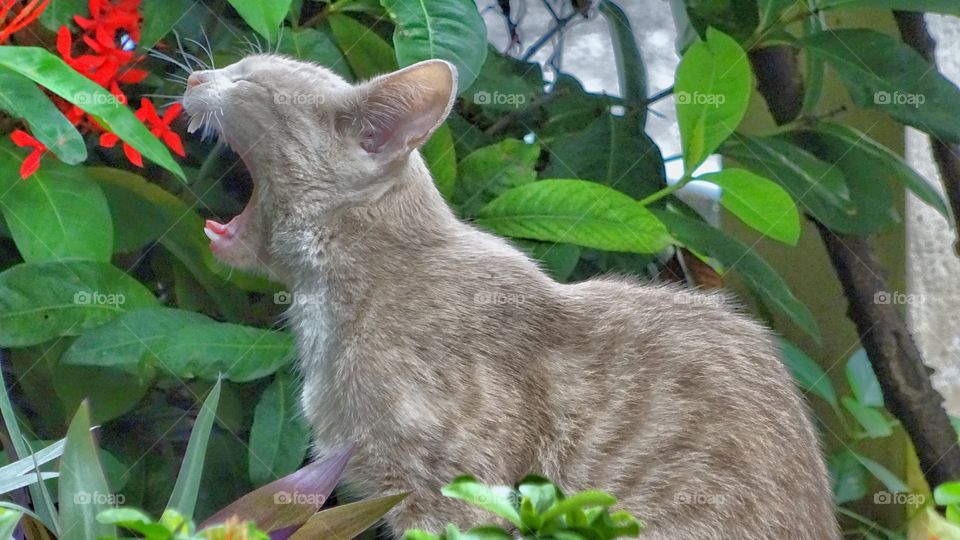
(396, 113)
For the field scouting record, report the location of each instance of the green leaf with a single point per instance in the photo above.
(898, 170)
(889, 480)
(758, 275)
(521, 81)
(712, 91)
(149, 213)
(347, 520)
(772, 11)
(185, 492)
(312, 45)
(497, 501)
(578, 501)
(559, 260)
(8, 522)
(576, 212)
(738, 18)
(264, 17)
(863, 381)
(630, 67)
(947, 493)
(882, 73)
(871, 419)
(135, 520)
(366, 52)
(760, 203)
(612, 150)
(22, 98)
(849, 477)
(41, 301)
(57, 215)
(83, 491)
(183, 344)
(160, 17)
(815, 68)
(279, 436)
(441, 156)
(807, 373)
(61, 12)
(949, 7)
(490, 171)
(50, 72)
(451, 30)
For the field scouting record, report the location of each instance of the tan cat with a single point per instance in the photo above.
(442, 350)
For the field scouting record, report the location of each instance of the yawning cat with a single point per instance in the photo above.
(441, 350)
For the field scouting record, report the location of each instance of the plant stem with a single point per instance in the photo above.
(669, 190)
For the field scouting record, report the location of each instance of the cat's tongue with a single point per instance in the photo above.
(223, 235)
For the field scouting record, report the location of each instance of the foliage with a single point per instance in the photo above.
(538, 509)
(108, 290)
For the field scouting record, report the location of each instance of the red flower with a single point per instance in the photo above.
(32, 162)
(27, 15)
(160, 127)
(106, 18)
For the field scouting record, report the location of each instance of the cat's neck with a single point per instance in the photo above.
(342, 254)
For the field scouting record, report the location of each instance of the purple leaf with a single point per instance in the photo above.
(290, 501)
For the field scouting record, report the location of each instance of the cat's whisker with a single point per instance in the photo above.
(185, 55)
(276, 50)
(209, 48)
(165, 96)
(202, 48)
(167, 58)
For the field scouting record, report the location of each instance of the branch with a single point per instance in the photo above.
(904, 378)
(913, 30)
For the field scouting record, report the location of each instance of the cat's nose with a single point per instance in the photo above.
(197, 78)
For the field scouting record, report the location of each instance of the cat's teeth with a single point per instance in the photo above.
(210, 234)
(195, 123)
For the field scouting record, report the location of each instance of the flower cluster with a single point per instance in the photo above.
(104, 53)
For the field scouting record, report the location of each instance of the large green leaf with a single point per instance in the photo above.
(496, 500)
(504, 75)
(630, 67)
(760, 203)
(440, 153)
(57, 215)
(807, 373)
(898, 170)
(366, 52)
(452, 30)
(41, 301)
(313, 45)
(950, 7)
(890, 480)
(772, 11)
(712, 93)
(263, 16)
(488, 172)
(83, 491)
(733, 255)
(22, 98)
(160, 17)
(348, 520)
(49, 71)
(818, 187)
(149, 213)
(739, 18)
(576, 212)
(185, 491)
(884, 74)
(612, 150)
(60, 12)
(863, 381)
(182, 344)
(279, 436)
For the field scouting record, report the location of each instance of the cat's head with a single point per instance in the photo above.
(313, 142)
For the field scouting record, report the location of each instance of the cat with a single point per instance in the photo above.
(442, 350)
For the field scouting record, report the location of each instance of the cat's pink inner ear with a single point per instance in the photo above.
(401, 110)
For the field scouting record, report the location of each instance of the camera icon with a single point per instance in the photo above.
(482, 97)
(881, 297)
(882, 497)
(282, 497)
(82, 497)
(683, 98)
(882, 98)
(83, 298)
(282, 297)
